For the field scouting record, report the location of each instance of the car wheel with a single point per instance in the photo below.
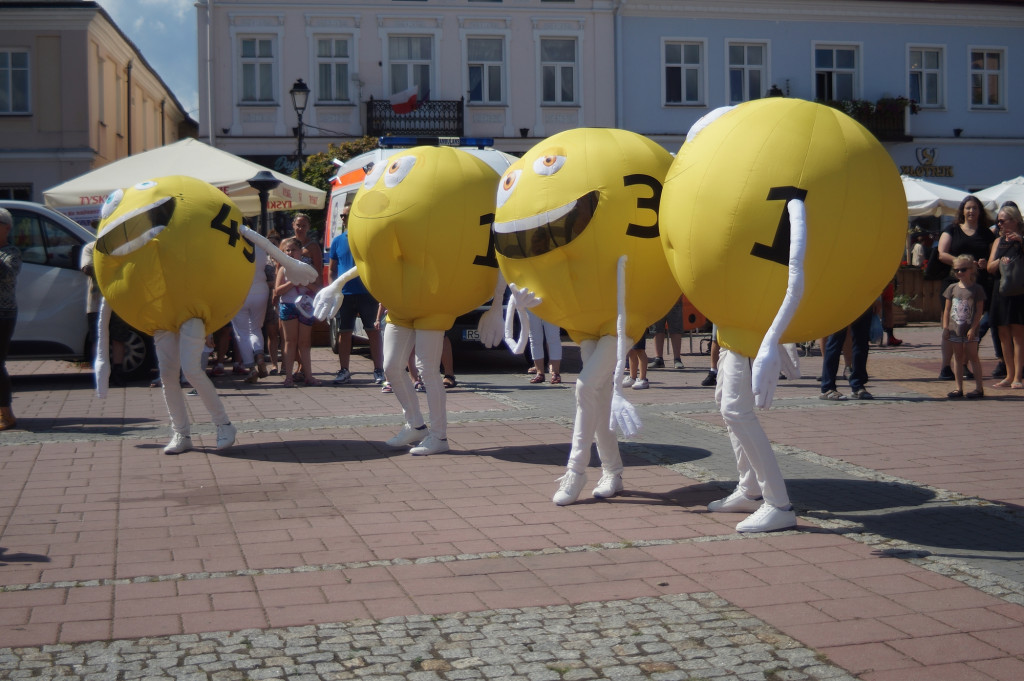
(138, 356)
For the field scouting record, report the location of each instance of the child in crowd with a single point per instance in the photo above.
(637, 360)
(296, 312)
(965, 304)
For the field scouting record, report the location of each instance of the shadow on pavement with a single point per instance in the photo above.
(8, 558)
(837, 495)
(963, 528)
(305, 451)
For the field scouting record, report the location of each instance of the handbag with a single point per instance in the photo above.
(875, 332)
(936, 270)
(1011, 276)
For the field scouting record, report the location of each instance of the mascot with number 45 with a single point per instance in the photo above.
(174, 260)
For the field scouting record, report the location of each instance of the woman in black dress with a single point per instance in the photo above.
(971, 235)
(1007, 312)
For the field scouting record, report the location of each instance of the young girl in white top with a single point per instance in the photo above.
(965, 303)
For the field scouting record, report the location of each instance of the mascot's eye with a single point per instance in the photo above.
(397, 170)
(111, 204)
(376, 170)
(148, 184)
(507, 186)
(548, 165)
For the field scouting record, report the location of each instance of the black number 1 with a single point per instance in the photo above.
(779, 249)
(488, 260)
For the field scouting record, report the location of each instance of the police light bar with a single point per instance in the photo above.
(392, 142)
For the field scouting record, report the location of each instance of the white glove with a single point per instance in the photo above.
(327, 301)
(624, 414)
(520, 301)
(765, 375)
(524, 297)
(491, 327)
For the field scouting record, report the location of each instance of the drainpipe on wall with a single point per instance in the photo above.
(128, 104)
(619, 4)
(163, 123)
(209, 73)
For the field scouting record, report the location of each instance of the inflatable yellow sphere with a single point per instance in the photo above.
(169, 250)
(419, 230)
(567, 210)
(725, 225)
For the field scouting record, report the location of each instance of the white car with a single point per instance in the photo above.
(52, 292)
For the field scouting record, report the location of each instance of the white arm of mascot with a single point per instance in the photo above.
(767, 364)
(297, 271)
(328, 300)
(623, 414)
(493, 326)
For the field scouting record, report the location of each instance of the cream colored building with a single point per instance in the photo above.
(75, 94)
(516, 71)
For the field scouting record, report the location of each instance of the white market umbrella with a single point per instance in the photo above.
(1011, 190)
(189, 156)
(929, 198)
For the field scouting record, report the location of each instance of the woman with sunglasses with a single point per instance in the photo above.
(969, 236)
(1007, 312)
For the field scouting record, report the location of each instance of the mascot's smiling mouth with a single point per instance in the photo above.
(134, 230)
(536, 235)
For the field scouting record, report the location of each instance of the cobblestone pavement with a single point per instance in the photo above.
(311, 551)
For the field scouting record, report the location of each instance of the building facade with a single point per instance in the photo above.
(75, 94)
(518, 71)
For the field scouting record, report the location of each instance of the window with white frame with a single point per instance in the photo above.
(684, 73)
(410, 58)
(257, 56)
(987, 74)
(558, 70)
(14, 80)
(486, 62)
(332, 69)
(926, 76)
(746, 71)
(835, 72)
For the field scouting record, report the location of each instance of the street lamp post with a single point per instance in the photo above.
(300, 95)
(263, 182)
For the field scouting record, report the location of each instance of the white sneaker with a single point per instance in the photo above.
(430, 445)
(608, 486)
(407, 436)
(571, 484)
(226, 436)
(179, 443)
(343, 376)
(737, 502)
(641, 384)
(628, 381)
(768, 518)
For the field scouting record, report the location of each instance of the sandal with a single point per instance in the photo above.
(288, 383)
(539, 378)
(1005, 383)
(386, 388)
(556, 379)
(975, 395)
(954, 394)
(531, 370)
(449, 381)
(419, 387)
(1016, 385)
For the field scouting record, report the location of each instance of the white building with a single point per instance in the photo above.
(521, 70)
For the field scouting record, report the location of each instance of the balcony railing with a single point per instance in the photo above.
(442, 118)
(887, 127)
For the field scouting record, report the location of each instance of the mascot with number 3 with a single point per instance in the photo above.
(174, 260)
(781, 220)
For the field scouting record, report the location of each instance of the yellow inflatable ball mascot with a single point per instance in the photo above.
(782, 221)
(569, 214)
(419, 231)
(174, 260)
(170, 251)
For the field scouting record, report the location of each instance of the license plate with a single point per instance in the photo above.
(470, 335)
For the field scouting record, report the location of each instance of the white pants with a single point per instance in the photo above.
(759, 470)
(183, 352)
(594, 407)
(540, 331)
(248, 323)
(399, 341)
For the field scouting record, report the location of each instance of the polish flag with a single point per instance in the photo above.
(405, 101)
